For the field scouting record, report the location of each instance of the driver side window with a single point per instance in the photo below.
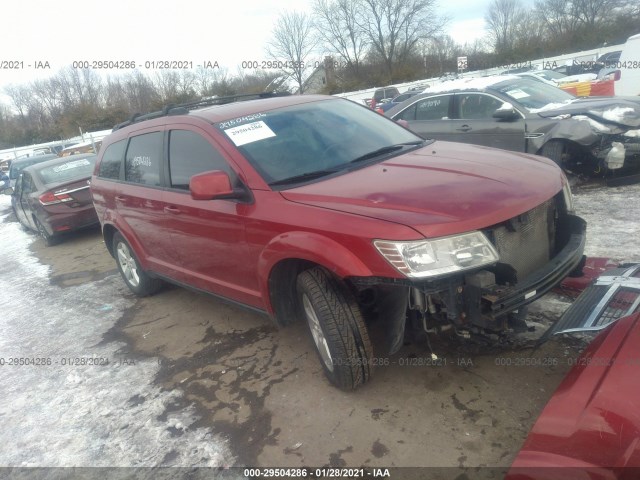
(477, 106)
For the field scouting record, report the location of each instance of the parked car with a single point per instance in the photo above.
(383, 94)
(383, 107)
(316, 208)
(52, 198)
(629, 66)
(547, 76)
(590, 427)
(20, 164)
(585, 135)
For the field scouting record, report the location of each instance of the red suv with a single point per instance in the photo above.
(316, 207)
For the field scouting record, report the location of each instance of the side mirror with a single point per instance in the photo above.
(8, 191)
(211, 185)
(506, 114)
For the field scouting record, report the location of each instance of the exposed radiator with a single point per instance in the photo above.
(526, 242)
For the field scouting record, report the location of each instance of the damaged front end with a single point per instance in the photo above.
(534, 252)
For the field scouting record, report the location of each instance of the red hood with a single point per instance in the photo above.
(441, 189)
(592, 420)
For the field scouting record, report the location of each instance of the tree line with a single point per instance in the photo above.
(371, 42)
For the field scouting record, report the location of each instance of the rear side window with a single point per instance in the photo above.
(436, 108)
(190, 154)
(143, 160)
(112, 160)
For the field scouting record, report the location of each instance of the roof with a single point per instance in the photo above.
(227, 111)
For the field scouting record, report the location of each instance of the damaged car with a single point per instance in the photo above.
(314, 208)
(593, 136)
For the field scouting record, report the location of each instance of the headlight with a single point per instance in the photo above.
(566, 193)
(433, 258)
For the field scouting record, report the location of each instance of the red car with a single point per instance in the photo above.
(590, 429)
(52, 197)
(316, 208)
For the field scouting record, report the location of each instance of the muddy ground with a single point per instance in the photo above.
(264, 389)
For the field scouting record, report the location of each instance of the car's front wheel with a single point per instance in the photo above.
(138, 281)
(337, 328)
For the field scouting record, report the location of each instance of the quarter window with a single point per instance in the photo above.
(112, 160)
(144, 156)
(190, 154)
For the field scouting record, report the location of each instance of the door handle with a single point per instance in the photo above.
(120, 198)
(172, 210)
(464, 128)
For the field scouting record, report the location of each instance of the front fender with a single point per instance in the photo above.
(312, 247)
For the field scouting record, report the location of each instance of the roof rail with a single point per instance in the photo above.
(184, 108)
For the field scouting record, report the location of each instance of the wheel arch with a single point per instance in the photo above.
(287, 255)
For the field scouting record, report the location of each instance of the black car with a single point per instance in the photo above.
(585, 135)
(53, 197)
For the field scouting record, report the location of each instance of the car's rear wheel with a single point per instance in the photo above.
(138, 281)
(337, 328)
(49, 240)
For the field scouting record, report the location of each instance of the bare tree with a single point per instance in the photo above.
(293, 41)
(337, 26)
(559, 17)
(394, 27)
(504, 21)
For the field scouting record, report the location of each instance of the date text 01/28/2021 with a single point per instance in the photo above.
(305, 472)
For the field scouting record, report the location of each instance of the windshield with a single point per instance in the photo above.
(316, 139)
(533, 95)
(74, 169)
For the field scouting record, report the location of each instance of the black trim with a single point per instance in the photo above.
(224, 299)
(547, 277)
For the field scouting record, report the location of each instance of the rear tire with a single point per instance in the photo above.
(49, 240)
(337, 328)
(133, 275)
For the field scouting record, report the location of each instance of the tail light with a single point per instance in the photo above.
(50, 198)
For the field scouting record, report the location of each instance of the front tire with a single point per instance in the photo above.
(133, 275)
(337, 328)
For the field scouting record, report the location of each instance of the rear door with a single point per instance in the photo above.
(139, 201)
(208, 235)
(429, 117)
(473, 123)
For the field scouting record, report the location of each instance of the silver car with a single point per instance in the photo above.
(590, 135)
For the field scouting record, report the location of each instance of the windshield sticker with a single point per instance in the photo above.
(249, 133)
(517, 94)
(239, 120)
(69, 165)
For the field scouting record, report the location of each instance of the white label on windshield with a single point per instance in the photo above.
(249, 133)
(517, 93)
(69, 165)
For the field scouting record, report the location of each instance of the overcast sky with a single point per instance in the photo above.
(229, 32)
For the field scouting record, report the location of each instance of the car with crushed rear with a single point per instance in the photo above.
(315, 208)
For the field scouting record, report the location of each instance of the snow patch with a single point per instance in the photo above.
(616, 114)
